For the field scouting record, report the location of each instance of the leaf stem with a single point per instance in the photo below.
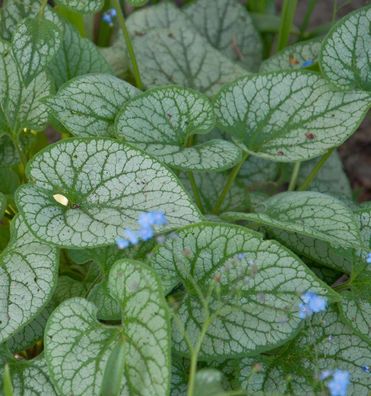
(308, 181)
(308, 13)
(287, 19)
(7, 382)
(129, 44)
(43, 5)
(231, 178)
(294, 176)
(195, 191)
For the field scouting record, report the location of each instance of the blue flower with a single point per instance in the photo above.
(131, 236)
(122, 243)
(108, 16)
(366, 369)
(339, 383)
(240, 256)
(148, 219)
(312, 303)
(146, 233)
(308, 62)
(368, 258)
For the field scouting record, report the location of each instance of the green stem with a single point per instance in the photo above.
(231, 178)
(287, 19)
(43, 5)
(308, 14)
(129, 44)
(334, 11)
(7, 382)
(294, 176)
(308, 181)
(195, 191)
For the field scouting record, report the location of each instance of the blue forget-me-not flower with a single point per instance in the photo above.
(312, 303)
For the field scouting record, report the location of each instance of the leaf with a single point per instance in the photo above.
(256, 170)
(309, 214)
(73, 328)
(34, 44)
(3, 205)
(161, 122)
(9, 181)
(181, 56)
(179, 376)
(208, 382)
(289, 116)
(83, 6)
(297, 56)
(107, 307)
(137, 3)
(8, 153)
(256, 299)
(76, 56)
(346, 51)
(210, 186)
(29, 377)
(331, 178)
(12, 12)
(28, 270)
(20, 106)
(324, 344)
(159, 16)
(87, 105)
(229, 28)
(107, 185)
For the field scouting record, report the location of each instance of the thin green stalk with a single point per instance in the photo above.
(309, 179)
(7, 382)
(231, 178)
(294, 176)
(129, 44)
(43, 5)
(195, 191)
(287, 19)
(334, 11)
(308, 14)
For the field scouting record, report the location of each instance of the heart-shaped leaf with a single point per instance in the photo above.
(84, 191)
(87, 105)
(289, 116)
(300, 55)
(20, 106)
(28, 270)
(83, 6)
(34, 44)
(8, 153)
(346, 51)
(76, 56)
(143, 335)
(181, 56)
(137, 3)
(229, 28)
(324, 344)
(257, 283)
(28, 377)
(309, 214)
(161, 122)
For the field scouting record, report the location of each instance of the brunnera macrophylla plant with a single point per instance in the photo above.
(191, 231)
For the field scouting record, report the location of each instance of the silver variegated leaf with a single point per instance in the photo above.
(289, 116)
(82, 192)
(83, 6)
(76, 342)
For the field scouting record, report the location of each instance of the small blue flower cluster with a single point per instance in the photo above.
(109, 16)
(368, 258)
(312, 303)
(146, 221)
(339, 382)
(307, 63)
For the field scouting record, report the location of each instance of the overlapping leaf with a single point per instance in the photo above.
(87, 105)
(20, 106)
(34, 44)
(28, 270)
(346, 51)
(83, 6)
(107, 184)
(8, 153)
(258, 286)
(297, 56)
(162, 121)
(181, 56)
(289, 116)
(324, 344)
(76, 56)
(29, 377)
(309, 214)
(144, 335)
(229, 28)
